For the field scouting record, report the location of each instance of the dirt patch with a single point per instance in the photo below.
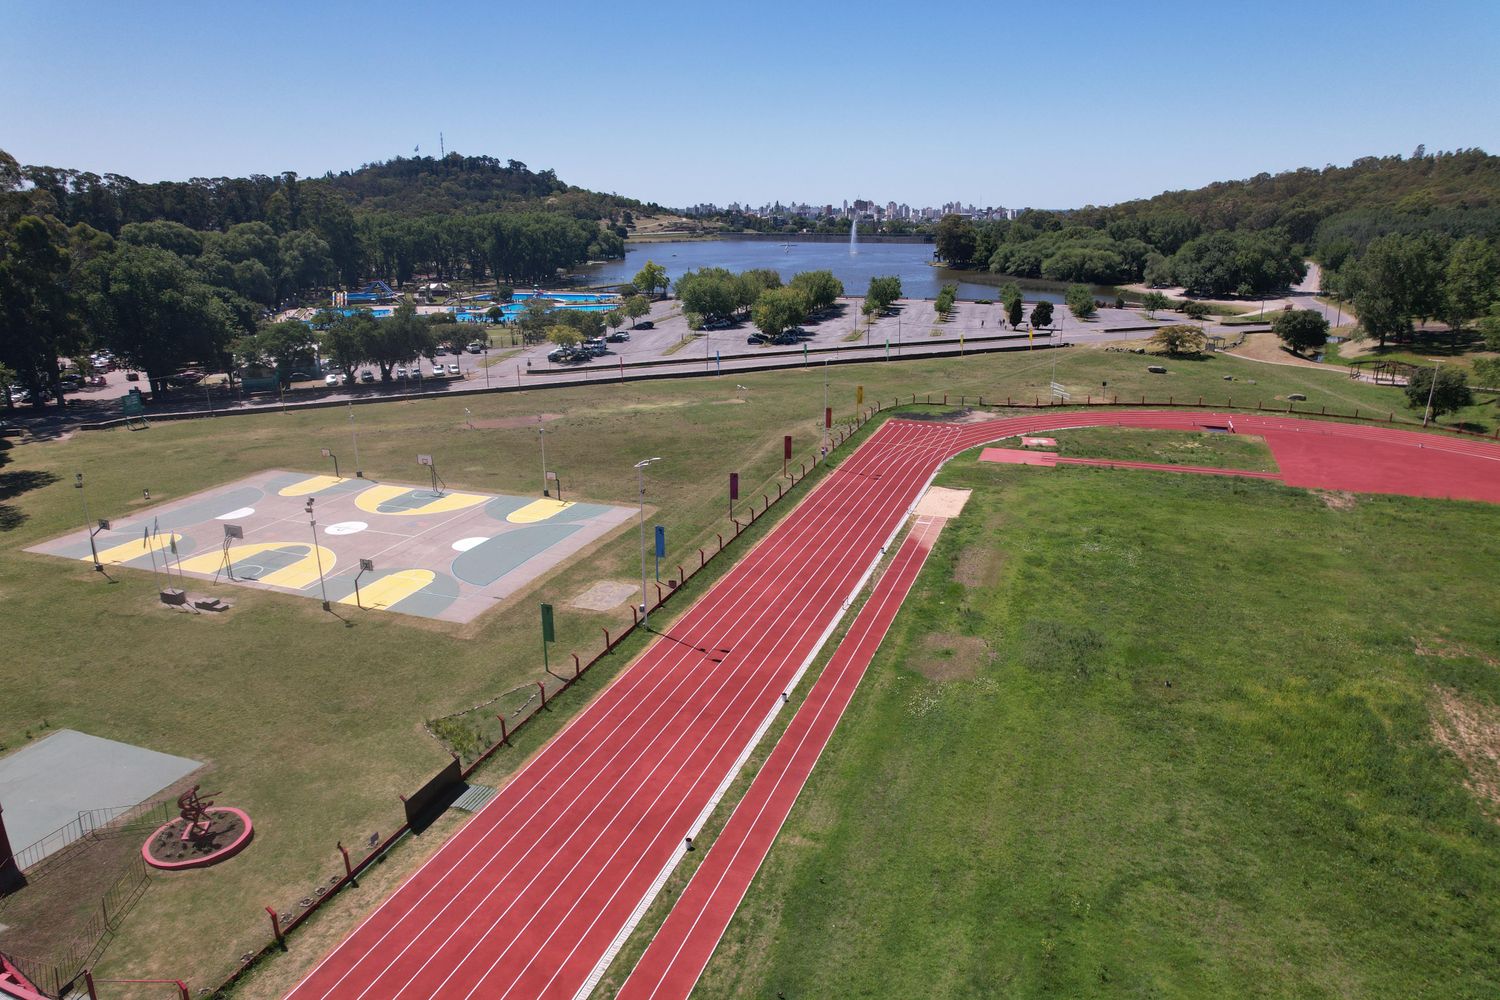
(1447, 649)
(978, 566)
(606, 595)
(948, 657)
(1337, 499)
(1471, 732)
(511, 423)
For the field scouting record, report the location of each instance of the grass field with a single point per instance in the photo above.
(1222, 451)
(1140, 734)
(315, 727)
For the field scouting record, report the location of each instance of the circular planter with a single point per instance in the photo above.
(231, 832)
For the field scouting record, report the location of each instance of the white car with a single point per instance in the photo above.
(452, 369)
(331, 379)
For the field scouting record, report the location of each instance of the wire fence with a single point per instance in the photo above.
(34, 857)
(57, 971)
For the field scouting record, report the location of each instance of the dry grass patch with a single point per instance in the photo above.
(511, 423)
(948, 657)
(1471, 732)
(979, 566)
(1449, 650)
(1337, 499)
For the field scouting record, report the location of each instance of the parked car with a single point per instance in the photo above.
(618, 337)
(452, 368)
(367, 376)
(476, 346)
(757, 338)
(330, 379)
(596, 346)
(401, 372)
(644, 324)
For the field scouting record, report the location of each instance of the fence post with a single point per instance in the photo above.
(182, 990)
(606, 639)
(576, 668)
(88, 982)
(721, 543)
(276, 928)
(767, 502)
(542, 687)
(778, 490)
(504, 733)
(945, 399)
(348, 868)
(681, 576)
(702, 560)
(658, 595)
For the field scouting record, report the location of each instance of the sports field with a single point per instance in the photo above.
(1145, 733)
(433, 553)
(315, 726)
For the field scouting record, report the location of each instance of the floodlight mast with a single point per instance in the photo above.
(88, 522)
(312, 522)
(640, 471)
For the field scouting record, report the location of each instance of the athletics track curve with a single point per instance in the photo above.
(528, 898)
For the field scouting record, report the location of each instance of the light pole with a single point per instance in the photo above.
(312, 522)
(541, 433)
(640, 472)
(88, 522)
(359, 473)
(1426, 414)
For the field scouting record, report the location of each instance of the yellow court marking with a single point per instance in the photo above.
(134, 549)
(538, 510)
(297, 576)
(310, 485)
(388, 590)
(371, 500)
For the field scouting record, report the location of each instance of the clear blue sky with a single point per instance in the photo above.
(1036, 103)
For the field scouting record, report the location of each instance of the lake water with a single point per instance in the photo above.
(912, 262)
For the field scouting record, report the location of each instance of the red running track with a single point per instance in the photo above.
(680, 950)
(528, 898)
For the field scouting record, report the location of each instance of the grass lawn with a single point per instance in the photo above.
(1150, 735)
(315, 727)
(1223, 451)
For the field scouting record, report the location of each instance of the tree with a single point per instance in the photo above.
(153, 312)
(709, 292)
(820, 289)
(956, 240)
(348, 342)
(1450, 394)
(1013, 313)
(1195, 310)
(615, 318)
(1181, 338)
(1080, 301)
(1489, 328)
(945, 299)
(564, 336)
(636, 307)
(533, 321)
(1153, 301)
(38, 314)
(1469, 282)
(402, 338)
(1157, 272)
(779, 310)
(1301, 329)
(1396, 281)
(1041, 315)
(883, 291)
(651, 277)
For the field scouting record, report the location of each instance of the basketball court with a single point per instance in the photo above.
(417, 550)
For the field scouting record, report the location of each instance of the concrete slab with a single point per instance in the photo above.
(46, 784)
(448, 554)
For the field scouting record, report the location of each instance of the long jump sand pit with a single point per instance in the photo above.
(444, 554)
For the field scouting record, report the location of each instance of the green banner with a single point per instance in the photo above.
(548, 635)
